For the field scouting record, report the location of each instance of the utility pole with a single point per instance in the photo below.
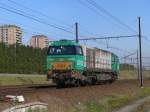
(15, 57)
(77, 39)
(140, 53)
(138, 66)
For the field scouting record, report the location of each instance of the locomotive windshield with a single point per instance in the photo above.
(65, 50)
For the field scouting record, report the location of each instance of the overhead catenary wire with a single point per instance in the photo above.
(111, 37)
(134, 58)
(103, 10)
(129, 55)
(98, 13)
(36, 19)
(40, 13)
(118, 49)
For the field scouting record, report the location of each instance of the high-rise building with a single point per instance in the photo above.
(39, 41)
(10, 34)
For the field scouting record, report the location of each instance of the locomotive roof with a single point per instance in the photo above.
(63, 42)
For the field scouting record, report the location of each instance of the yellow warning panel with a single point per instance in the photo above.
(61, 65)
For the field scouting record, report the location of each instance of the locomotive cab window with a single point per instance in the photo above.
(65, 50)
(79, 50)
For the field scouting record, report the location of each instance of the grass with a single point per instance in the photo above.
(110, 103)
(22, 80)
(132, 74)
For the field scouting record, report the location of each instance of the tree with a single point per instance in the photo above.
(22, 59)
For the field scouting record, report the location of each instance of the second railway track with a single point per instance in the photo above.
(21, 89)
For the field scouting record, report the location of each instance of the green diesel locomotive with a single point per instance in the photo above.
(69, 63)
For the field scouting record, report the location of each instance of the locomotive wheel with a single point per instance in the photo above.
(114, 77)
(78, 83)
(61, 84)
(93, 81)
(111, 81)
(83, 83)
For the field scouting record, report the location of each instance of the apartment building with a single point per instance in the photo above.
(39, 41)
(10, 34)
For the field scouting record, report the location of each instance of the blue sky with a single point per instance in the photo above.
(66, 12)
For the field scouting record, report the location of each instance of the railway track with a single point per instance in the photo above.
(20, 89)
(26, 86)
(41, 86)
